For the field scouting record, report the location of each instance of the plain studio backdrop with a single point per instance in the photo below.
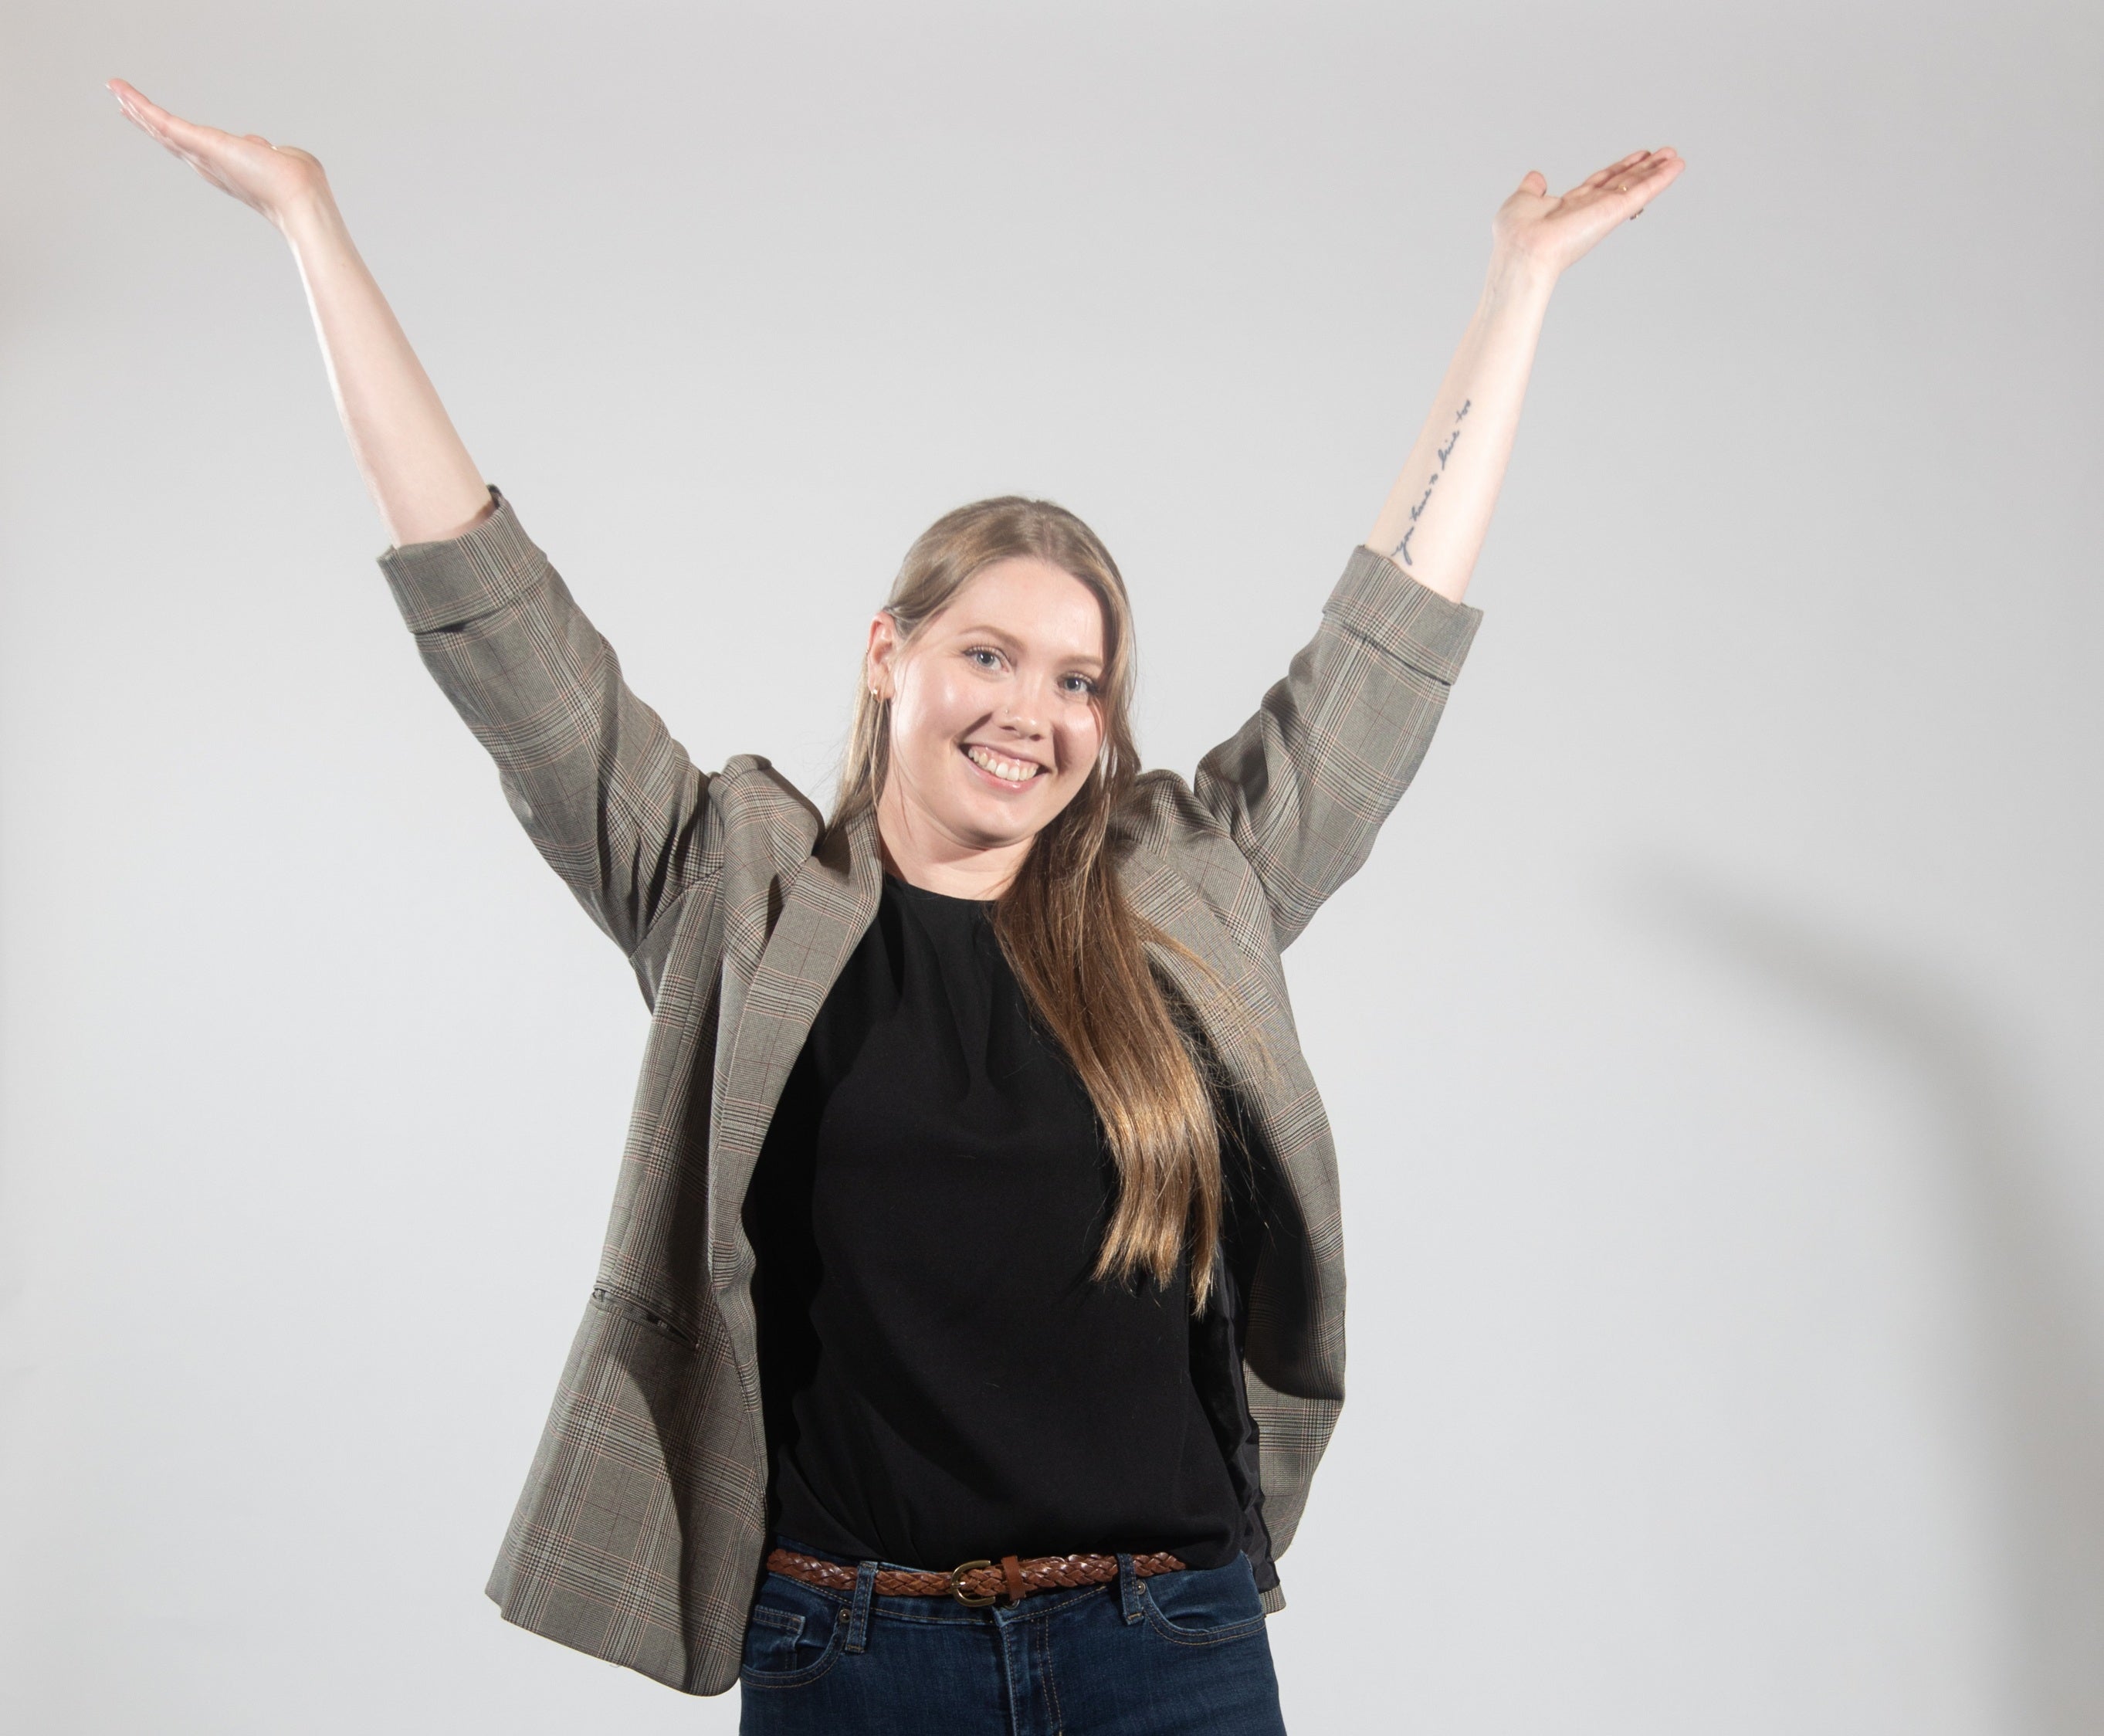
(1710, 1041)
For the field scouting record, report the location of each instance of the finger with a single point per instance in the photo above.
(164, 125)
(1619, 166)
(1656, 174)
(1534, 182)
(146, 122)
(1639, 180)
(1615, 173)
(199, 158)
(204, 144)
(135, 101)
(1654, 181)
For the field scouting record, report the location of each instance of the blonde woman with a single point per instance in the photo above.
(971, 1318)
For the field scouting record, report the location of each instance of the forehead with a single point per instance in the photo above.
(1041, 607)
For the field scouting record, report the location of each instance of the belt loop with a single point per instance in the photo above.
(1128, 1588)
(858, 1611)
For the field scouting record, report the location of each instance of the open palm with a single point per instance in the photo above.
(266, 177)
(1555, 230)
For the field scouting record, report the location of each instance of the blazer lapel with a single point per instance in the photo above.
(825, 909)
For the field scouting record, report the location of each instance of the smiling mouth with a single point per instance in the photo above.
(1013, 773)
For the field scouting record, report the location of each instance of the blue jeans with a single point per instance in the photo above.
(1163, 1656)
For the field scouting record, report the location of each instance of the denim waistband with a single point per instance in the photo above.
(864, 1601)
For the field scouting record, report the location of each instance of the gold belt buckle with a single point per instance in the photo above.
(957, 1585)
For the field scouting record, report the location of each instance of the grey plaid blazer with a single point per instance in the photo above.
(639, 1534)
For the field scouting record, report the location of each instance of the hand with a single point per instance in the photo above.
(1550, 233)
(273, 179)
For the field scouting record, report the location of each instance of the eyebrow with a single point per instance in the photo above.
(984, 630)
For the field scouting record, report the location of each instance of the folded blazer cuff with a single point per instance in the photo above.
(450, 582)
(1379, 601)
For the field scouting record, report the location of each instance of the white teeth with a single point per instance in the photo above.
(1015, 771)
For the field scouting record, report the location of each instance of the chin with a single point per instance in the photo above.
(983, 836)
(994, 825)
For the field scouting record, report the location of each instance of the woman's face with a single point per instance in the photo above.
(995, 721)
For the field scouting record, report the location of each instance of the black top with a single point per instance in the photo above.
(943, 1379)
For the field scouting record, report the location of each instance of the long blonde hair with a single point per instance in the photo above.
(1078, 951)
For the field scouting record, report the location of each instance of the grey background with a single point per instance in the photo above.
(1710, 1041)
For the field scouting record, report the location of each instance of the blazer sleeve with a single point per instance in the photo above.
(1303, 786)
(606, 794)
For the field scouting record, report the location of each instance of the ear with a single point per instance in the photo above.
(877, 660)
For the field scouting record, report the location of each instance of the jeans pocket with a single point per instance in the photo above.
(793, 1636)
(1204, 1606)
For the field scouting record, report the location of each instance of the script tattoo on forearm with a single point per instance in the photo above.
(1401, 551)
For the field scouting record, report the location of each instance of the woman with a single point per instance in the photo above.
(971, 1316)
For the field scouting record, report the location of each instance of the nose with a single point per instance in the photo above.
(1025, 710)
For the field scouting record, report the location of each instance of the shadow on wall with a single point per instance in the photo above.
(2041, 1370)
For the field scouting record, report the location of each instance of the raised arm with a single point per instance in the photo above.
(1437, 515)
(418, 472)
(1304, 785)
(609, 798)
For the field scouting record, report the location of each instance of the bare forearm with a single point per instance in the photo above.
(1439, 510)
(415, 466)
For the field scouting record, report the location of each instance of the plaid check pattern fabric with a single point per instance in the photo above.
(639, 1535)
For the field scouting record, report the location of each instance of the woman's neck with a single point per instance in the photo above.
(922, 856)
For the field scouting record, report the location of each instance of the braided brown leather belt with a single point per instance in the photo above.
(975, 1583)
